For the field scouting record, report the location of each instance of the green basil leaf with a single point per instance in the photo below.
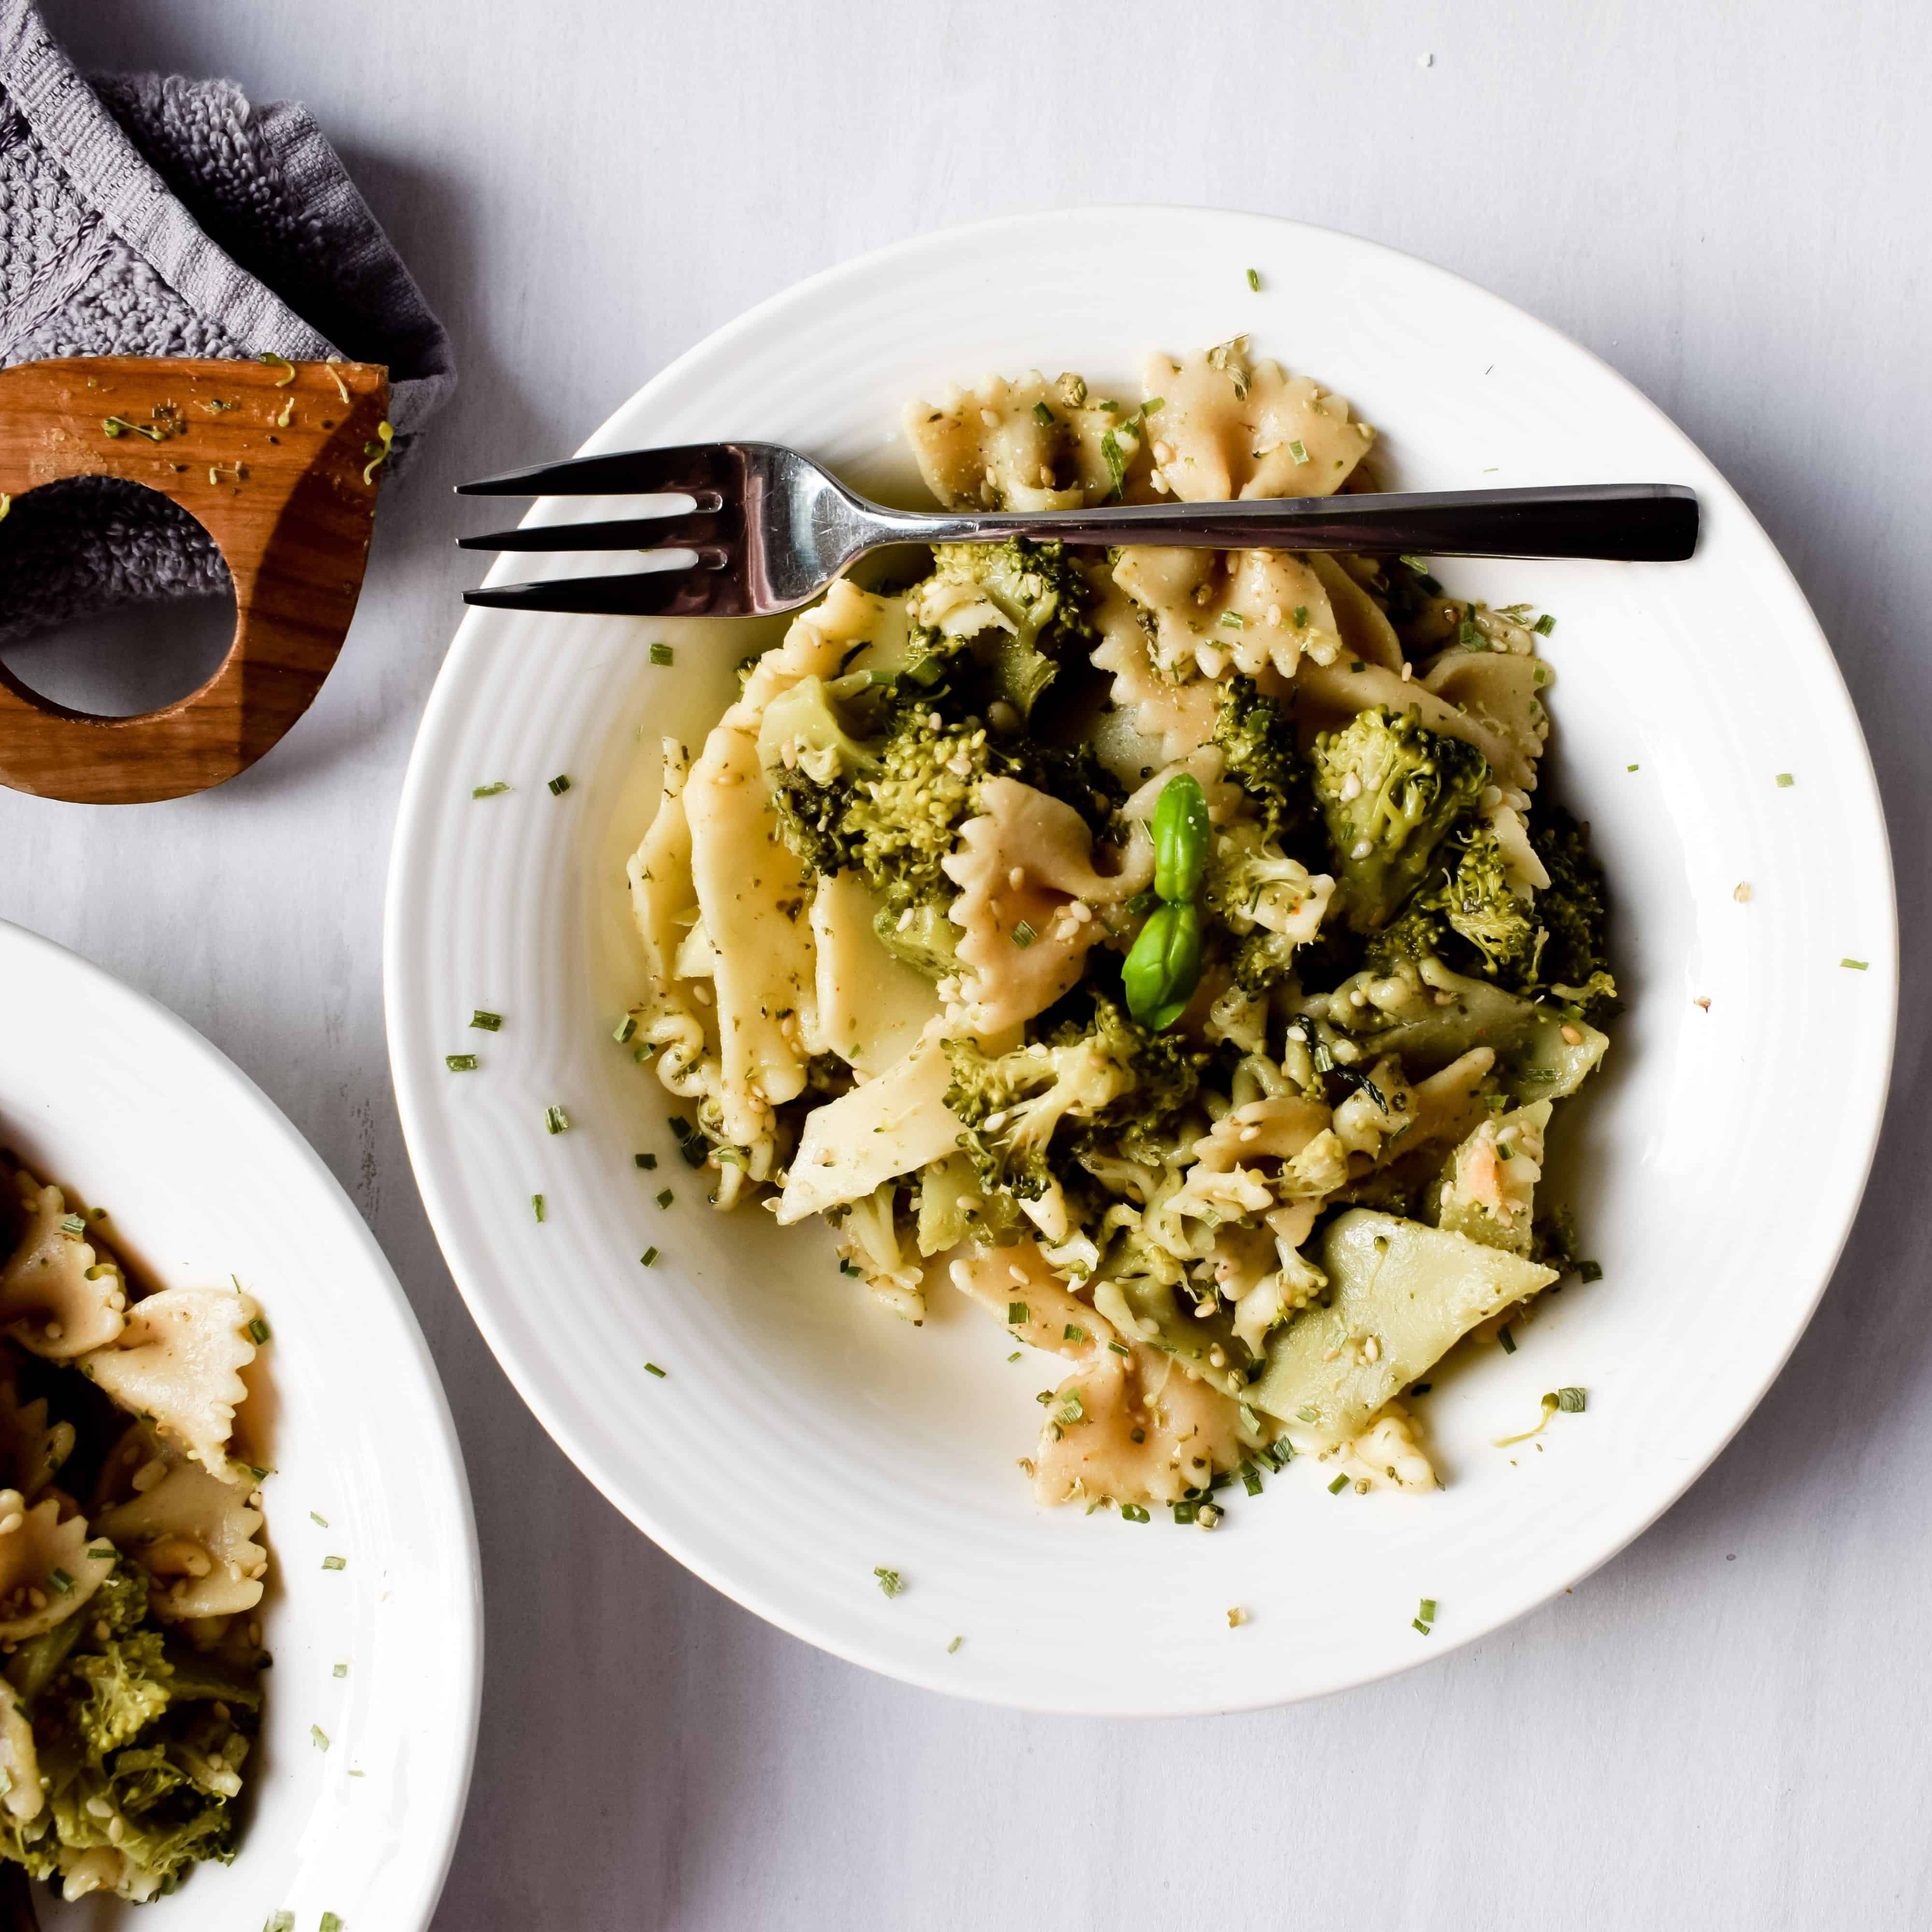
(1182, 839)
(1164, 968)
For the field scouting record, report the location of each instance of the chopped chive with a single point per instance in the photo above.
(1340, 1483)
(890, 1582)
(1357, 665)
(484, 1022)
(1152, 404)
(537, 1206)
(461, 1063)
(1301, 616)
(652, 1368)
(1571, 1401)
(555, 1120)
(1629, 768)
(1508, 1340)
(335, 1563)
(105, 1552)
(279, 1922)
(489, 790)
(1133, 1512)
(1298, 450)
(954, 1644)
(318, 1737)
(646, 1161)
(340, 1670)
(1251, 1479)
(624, 1029)
(1073, 1332)
(648, 1257)
(1422, 1388)
(330, 1922)
(643, 1054)
(1591, 1271)
(1233, 621)
(1016, 1312)
(61, 1580)
(323, 1520)
(850, 1268)
(559, 784)
(1427, 1612)
(1255, 279)
(661, 654)
(1416, 1623)
(1784, 778)
(1857, 965)
(1042, 415)
(665, 1197)
(258, 1331)
(1024, 934)
(1120, 1347)
(1014, 1356)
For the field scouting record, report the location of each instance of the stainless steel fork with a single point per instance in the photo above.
(767, 528)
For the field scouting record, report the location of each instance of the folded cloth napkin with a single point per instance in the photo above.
(146, 216)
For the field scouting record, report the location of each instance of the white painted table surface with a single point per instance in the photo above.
(1727, 1726)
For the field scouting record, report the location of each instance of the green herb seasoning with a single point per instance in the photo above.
(556, 1120)
(537, 1206)
(1255, 279)
(559, 784)
(258, 1331)
(652, 1368)
(1340, 1483)
(890, 1582)
(648, 1259)
(648, 1162)
(335, 1563)
(489, 790)
(486, 1022)
(626, 1030)
(461, 1063)
(1133, 1512)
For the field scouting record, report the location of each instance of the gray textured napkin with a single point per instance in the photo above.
(146, 216)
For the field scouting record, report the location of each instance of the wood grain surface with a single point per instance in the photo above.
(274, 459)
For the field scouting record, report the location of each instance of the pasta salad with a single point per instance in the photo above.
(130, 1566)
(1158, 946)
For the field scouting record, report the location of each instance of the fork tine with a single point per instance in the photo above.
(683, 469)
(644, 533)
(656, 593)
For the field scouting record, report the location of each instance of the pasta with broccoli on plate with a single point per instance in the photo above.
(130, 1571)
(1162, 948)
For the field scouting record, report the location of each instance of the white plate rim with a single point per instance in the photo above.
(413, 1082)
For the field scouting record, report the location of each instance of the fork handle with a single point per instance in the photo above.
(1633, 523)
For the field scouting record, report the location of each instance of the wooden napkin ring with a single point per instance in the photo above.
(280, 463)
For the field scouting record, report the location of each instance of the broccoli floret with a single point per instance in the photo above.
(1417, 935)
(1257, 740)
(1390, 790)
(123, 1687)
(120, 1602)
(1112, 1077)
(1019, 606)
(811, 819)
(1575, 912)
(1478, 901)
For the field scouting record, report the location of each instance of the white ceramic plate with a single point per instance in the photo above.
(111, 1096)
(802, 1437)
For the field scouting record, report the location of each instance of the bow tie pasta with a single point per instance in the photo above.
(129, 1572)
(1163, 948)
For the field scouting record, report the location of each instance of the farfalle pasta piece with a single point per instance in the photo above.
(1253, 611)
(872, 1007)
(1171, 713)
(194, 1534)
(1501, 693)
(1186, 1431)
(58, 1296)
(1229, 428)
(179, 1360)
(48, 1568)
(1031, 445)
(1332, 694)
(1031, 904)
(1019, 1277)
